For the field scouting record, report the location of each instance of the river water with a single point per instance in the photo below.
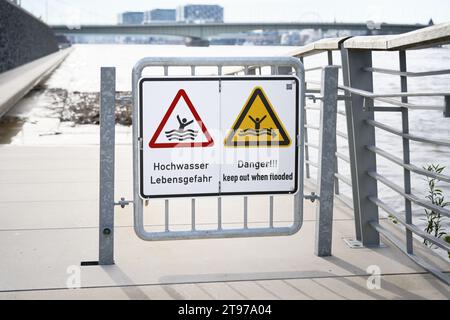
(36, 119)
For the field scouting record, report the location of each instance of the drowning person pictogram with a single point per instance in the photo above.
(181, 126)
(181, 133)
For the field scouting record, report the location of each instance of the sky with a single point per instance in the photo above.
(392, 11)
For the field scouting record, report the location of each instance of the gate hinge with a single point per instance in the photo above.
(312, 197)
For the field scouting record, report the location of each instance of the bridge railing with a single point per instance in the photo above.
(364, 113)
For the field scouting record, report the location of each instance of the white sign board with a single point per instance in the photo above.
(218, 136)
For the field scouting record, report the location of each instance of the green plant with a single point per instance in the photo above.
(447, 239)
(436, 196)
(392, 218)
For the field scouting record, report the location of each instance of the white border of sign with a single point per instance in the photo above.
(295, 139)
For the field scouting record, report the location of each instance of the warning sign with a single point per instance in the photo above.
(181, 126)
(257, 124)
(218, 136)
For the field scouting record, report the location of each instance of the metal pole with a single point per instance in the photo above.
(406, 154)
(351, 148)
(327, 159)
(107, 142)
(361, 159)
(447, 107)
(336, 167)
(305, 122)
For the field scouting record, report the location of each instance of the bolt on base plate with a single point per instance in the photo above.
(356, 244)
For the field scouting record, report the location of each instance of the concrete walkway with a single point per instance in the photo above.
(48, 225)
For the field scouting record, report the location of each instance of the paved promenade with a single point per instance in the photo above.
(49, 219)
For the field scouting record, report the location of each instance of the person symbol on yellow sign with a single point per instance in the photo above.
(257, 121)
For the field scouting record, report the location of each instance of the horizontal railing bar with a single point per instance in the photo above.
(439, 242)
(312, 91)
(312, 108)
(409, 167)
(387, 109)
(409, 196)
(407, 135)
(408, 73)
(342, 156)
(385, 98)
(345, 200)
(341, 134)
(317, 83)
(373, 95)
(344, 179)
(309, 162)
(313, 69)
(320, 68)
(410, 105)
(342, 113)
(311, 127)
(311, 145)
(394, 240)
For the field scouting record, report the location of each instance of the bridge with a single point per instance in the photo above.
(206, 30)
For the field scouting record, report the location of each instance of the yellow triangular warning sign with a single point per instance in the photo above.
(257, 124)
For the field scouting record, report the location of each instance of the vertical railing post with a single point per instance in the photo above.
(305, 121)
(360, 136)
(327, 159)
(336, 180)
(107, 143)
(447, 107)
(406, 152)
(351, 149)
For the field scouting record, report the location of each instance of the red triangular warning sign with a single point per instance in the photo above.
(181, 130)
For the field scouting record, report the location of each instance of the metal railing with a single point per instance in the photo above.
(361, 105)
(359, 157)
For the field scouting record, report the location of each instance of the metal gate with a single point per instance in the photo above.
(247, 66)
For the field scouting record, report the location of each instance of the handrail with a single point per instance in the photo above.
(360, 104)
(422, 38)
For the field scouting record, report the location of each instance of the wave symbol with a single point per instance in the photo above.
(181, 135)
(257, 132)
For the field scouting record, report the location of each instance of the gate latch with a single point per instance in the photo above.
(312, 197)
(122, 203)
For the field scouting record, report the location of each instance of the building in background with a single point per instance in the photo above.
(160, 15)
(131, 17)
(200, 13)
